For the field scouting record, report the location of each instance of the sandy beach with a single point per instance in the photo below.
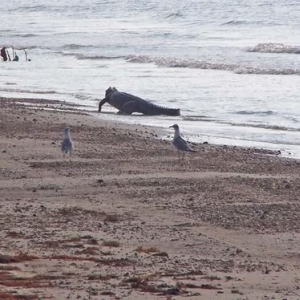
(123, 219)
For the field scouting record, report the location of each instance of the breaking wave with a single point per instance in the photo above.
(31, 8)
(25, 35)
(85, 57)
(28, 47)
(49, 8)
(265, 71)
(205, 65)
(85, 97)
(264, 126)
(97, 57)
(75, 46)
(275, 48)
(27, 91)
(251, 112)
(251, 125)
(198, 118)
(174, 15)
(234, 23)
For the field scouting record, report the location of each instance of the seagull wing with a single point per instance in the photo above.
(181, 144)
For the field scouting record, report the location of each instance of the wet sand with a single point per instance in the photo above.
(123, 219)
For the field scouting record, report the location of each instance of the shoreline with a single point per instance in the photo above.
(123, 219)
(213, 132)
(284, 150)
(159, 131)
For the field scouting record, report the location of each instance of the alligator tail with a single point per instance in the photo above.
(160, 110)
(172, 111)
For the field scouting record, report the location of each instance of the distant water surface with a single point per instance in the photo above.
(233, 67)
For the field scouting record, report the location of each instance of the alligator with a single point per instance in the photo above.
(128, 104)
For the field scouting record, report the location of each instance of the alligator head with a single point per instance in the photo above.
(108, 93)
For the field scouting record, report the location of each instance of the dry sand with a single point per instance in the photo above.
(124, 220)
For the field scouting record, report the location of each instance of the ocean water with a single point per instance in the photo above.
(231, 66)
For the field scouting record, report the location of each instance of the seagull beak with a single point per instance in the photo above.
(171, 126)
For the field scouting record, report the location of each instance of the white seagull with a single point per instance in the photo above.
(180, 144)
(67, 144)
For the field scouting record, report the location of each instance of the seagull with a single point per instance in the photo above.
(179, 143)
(67, 144)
